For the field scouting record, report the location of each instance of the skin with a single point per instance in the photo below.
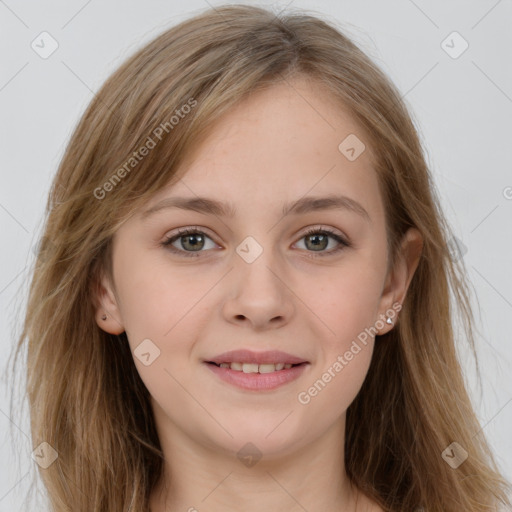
(273, 148)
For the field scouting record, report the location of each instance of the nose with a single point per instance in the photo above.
(259, 293)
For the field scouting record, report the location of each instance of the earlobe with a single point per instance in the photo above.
(108, 315)
(108, 323)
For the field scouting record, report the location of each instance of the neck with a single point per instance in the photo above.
(198, 477)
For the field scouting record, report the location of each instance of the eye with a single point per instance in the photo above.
(317, 239)
(190, 241)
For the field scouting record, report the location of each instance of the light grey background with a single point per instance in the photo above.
(462, 106)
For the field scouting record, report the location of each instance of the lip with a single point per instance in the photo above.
(258, 381)
(249, 356)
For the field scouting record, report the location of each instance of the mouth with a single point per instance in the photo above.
(255, 367)
(257, 377)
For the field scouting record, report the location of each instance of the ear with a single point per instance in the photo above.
(399, 277)
(108, 316)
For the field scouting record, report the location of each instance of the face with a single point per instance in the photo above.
(307, 282)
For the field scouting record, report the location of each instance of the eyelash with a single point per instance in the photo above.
(194, 230)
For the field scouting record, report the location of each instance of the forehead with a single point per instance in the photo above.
(277, 145)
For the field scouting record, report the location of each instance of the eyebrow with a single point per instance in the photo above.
(225, 209)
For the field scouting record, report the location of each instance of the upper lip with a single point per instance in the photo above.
(248, 356)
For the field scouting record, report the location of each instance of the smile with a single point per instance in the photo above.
(256, 368)
(257, 377)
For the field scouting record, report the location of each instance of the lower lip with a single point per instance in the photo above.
(258, 381)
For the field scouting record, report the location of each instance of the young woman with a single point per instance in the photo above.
(243, 296)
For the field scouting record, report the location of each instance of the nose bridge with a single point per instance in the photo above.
(258, 263)
(259, 293)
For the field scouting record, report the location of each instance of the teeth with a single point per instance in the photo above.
(250, 368)
(267, 368)
(255, 368)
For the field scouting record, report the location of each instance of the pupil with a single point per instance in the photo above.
(318, 244)
(190, 239)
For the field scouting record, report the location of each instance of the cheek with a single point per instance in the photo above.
(330, 393)
(343, 365)
(156, 297)
(348, 308)
(163, 314)
(346, 302)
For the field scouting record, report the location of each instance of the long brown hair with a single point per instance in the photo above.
(85, 396)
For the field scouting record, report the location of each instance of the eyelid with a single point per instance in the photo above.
(314, 228)
(189, 229)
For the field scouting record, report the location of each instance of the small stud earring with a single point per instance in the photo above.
(104, 317)
(389, 321)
